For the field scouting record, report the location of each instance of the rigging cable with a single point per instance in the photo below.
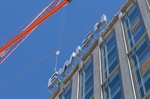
(63, 25)
(46, 56)
(53, 51)
(42, 59)
(60, 36)
(31, 20)
(16, 29)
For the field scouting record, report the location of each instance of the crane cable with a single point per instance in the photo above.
(16, 29)
(46, 56)
(60, 36)
(31, 20)
(26, 70)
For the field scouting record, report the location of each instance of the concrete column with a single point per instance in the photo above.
(96, 68)
(124, 67)
(75, 86)
(145, 11)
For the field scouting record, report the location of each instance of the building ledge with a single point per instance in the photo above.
(94, 45)
(65, 80)
(71, 73)
(55, 93)
(115, 19)
(123, 9)
(111, 24)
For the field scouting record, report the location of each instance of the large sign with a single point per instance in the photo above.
(68, 63)
(85, 44)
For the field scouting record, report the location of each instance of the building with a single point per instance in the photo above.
(117, 64)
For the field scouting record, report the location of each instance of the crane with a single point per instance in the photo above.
(48, 11)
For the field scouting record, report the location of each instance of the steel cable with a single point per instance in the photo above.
(62, 46)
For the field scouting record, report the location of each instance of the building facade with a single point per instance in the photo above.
(117, 64)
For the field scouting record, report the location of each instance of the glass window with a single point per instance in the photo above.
(67, 93)
(110, 54)
(113, 88)
(86, 81)
(141, 53)
(134, 25)
(147, 81)
(139, 57)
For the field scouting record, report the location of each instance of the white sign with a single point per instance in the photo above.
(52, 80)
(88, 38)
(102, 21)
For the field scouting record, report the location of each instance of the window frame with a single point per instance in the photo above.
(106, 82)
(82, 78)
(104, 53)
(62, 94)
(138, 66)
(132, 38)
(117, 68)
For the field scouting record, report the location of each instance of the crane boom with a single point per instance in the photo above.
(10, 46)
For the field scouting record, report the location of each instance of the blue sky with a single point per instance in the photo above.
(23, 75)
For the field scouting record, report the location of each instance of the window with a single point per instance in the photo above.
(134, 25)
(113, 88)
(67, 93)
(110, 54)
(141, 59)
(140, 54)
(147, 81)
(86, 81)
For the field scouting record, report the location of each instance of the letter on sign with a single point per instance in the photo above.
(62, 71)
(98, 25)
(52, 80)
(88, 38)
(73, 55)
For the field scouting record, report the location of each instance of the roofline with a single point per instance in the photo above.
(116, 17)
(104, 32)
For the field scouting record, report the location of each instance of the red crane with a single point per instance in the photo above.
(48, 11)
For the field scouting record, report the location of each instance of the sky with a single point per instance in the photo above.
(25, 73)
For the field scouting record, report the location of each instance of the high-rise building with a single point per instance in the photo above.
(117, 64)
